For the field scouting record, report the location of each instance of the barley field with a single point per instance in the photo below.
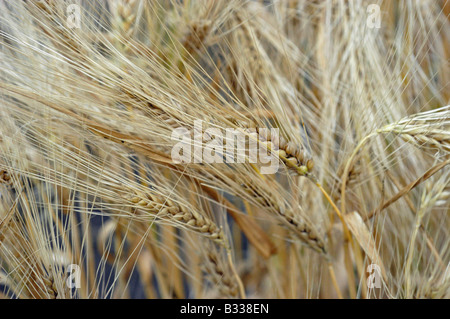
(283, 149)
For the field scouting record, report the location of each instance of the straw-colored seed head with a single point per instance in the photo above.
(158, 206)
(295, 158)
